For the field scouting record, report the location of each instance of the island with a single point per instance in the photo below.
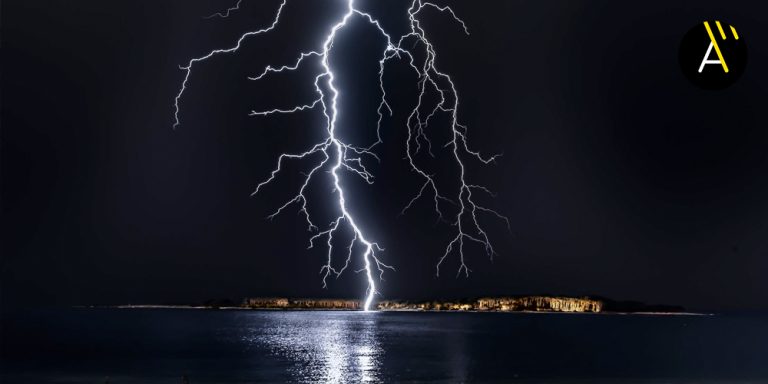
(537, 303)
(520, 303)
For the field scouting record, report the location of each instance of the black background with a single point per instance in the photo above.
(619, 176)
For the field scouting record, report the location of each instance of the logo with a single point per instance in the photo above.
(713, 55)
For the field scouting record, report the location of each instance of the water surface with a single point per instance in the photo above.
(208, 346)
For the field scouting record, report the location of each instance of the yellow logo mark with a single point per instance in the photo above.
(714, 44)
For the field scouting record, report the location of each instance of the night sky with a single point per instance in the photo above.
(619, 176)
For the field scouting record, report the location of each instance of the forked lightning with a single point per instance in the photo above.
(337, 156)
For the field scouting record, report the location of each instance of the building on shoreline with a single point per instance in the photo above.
(539, 303)
(490, 304)
(285, 303)
(266, 302)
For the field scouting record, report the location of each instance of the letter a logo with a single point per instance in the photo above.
(713, 44)
(713, 70)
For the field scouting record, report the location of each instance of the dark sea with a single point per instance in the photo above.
(236, 346)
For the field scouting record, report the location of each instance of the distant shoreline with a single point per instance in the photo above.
(495, 304)
(240, 308)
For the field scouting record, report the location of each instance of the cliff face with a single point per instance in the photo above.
(501, 304)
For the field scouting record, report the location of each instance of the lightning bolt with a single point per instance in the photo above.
(339, 156)
(227, 12)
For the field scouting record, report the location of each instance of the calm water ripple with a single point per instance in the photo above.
(161, 345)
